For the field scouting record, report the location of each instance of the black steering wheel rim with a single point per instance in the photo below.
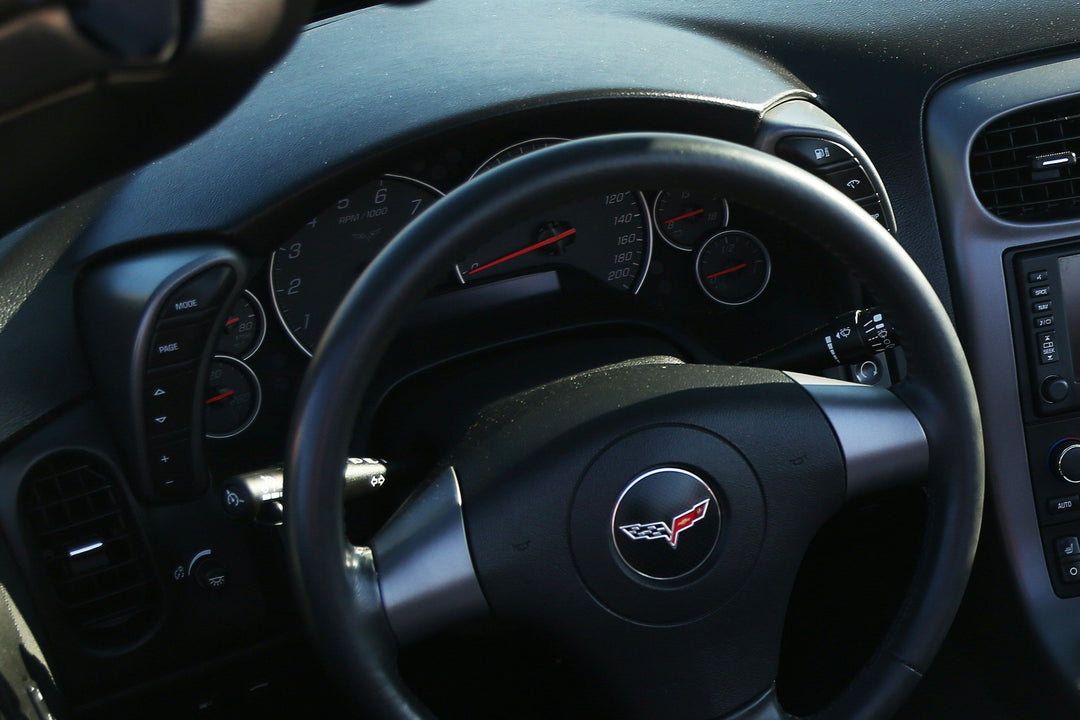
(336, 584)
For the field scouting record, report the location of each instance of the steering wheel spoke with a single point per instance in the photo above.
(883, 442)
(423, 564)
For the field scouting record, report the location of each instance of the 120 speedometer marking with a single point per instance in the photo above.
(605, 236)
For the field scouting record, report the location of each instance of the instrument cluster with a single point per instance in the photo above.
(608, 238)
(685, 263)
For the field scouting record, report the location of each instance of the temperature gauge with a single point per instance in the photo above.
(733, 267)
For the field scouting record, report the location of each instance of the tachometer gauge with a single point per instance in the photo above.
(733, 267)
(310, 274)
(606, 236)
(516, 151)
(684, 218)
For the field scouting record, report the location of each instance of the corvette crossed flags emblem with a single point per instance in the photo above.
(661, 531)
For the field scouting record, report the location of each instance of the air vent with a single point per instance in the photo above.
(1023, 166)
(79, 521)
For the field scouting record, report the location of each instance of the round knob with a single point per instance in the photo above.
(1066, 460)
(1055, 389)
(212, 575)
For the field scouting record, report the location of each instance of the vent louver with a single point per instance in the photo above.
(92, 553)
(1023, 165)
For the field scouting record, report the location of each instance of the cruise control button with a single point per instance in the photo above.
(198, 295)
(177, 345)
(811, 152)
(853, 182)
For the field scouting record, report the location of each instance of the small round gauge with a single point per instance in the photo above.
(684, 218)
(516, 151)
(606, 236)
(733, 267)
(245, 328)
(232, 398)
(311, 272)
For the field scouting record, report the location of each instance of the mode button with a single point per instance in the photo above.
(199, 294)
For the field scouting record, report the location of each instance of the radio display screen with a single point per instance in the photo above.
(1069, 269)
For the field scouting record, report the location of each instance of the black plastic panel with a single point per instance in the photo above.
(148, 323)
(1042, 306)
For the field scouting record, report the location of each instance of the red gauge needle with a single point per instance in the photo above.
(523, 251)
(740, 266)
(230, 321)
(222, 396)
(690, 214)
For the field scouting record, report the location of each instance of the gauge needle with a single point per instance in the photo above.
(523, 251)
(230, 321)
(690, 214)
(222, 396)
(740, 266)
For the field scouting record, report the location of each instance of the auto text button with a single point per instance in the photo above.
(1056, 506)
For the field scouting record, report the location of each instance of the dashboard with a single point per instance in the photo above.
(675, 272)
(183, 302)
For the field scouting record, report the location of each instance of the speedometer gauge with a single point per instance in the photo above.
(310, 274)
(605, 236)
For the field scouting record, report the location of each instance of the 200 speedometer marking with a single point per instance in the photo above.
(606, 236)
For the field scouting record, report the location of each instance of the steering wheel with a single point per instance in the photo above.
(651, 516)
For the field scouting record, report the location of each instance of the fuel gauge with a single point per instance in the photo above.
(232, 398)
(733, 267)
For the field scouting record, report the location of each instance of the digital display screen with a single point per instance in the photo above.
(1069, 269)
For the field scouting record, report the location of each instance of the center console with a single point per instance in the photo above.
(997, 147)
(1045, 285)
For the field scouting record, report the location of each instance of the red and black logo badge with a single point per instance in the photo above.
(672, 505)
